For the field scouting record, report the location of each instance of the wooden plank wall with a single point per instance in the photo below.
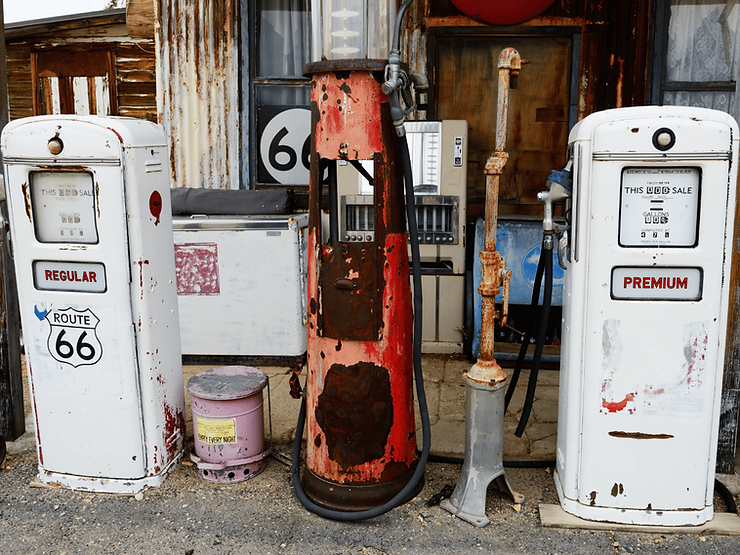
(135, 63)
(18, 58)
(136, 75)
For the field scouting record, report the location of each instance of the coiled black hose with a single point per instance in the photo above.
(418, 378)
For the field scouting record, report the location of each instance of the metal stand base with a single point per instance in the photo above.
(484, 446)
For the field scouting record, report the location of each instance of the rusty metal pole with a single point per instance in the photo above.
(486, 370)
(484, 391)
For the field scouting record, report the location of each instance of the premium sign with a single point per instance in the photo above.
(654, 283)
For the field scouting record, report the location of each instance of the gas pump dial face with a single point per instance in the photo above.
(659, 207)
(63, 205)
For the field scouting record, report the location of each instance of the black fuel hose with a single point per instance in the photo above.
(726, 496)
(541, 334)
(527, 335)
(408, 489)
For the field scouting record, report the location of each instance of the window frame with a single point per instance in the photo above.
(250, 83)
(657, 84)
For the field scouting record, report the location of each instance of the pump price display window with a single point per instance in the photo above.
(659, 207)
(63, 204)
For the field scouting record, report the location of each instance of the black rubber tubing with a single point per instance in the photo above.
(527, 335)
(541, 333)
(726, 496)
(401, 496)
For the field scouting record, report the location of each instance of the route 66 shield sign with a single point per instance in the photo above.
(72, 337)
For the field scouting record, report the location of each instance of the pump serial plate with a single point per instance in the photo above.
(656, 283)
(659, 207)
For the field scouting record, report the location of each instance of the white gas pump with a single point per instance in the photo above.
(91, 229)
(645, 306)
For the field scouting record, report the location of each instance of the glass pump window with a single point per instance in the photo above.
(63, 207)
(659, 207)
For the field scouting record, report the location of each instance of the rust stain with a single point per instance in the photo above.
(27, 196)
(296, 391)
(592, 497)
(174, 429)
(395, 470)
(349, 294)
(97, 198)
(639, 435)
(117, 134)
(355, 412)
(617, 489)
(141, 264)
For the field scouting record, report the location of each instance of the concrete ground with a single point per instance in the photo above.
(269, 501)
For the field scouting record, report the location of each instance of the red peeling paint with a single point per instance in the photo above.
(174, 430)
(141, 264)
(617, 406)
(196, 269)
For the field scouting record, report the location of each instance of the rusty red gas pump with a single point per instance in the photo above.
(362, 456)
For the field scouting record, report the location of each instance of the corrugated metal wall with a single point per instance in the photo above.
(198, 84)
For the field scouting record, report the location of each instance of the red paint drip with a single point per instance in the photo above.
(617, 406)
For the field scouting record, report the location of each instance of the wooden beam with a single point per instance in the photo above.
(140, 19)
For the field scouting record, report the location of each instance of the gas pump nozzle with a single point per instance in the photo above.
(559, 187)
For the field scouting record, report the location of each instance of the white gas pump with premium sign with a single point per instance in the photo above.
(91, 231)
(645, 306)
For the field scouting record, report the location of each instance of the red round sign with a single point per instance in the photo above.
(503, 12)
(155, 205)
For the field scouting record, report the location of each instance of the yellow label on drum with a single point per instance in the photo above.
(215, 432)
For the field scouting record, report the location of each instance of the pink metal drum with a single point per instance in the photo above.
(228, 423)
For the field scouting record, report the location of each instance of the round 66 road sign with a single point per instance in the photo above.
(285, 146)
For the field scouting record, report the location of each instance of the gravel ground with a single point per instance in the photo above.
(188, 516)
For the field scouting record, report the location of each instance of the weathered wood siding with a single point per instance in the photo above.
(135, 61)
(18, 56)
(136, 77)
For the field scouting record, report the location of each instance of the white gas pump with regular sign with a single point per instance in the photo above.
(645, 306)
(92, 239)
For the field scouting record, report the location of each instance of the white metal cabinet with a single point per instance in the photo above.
(242, 285)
